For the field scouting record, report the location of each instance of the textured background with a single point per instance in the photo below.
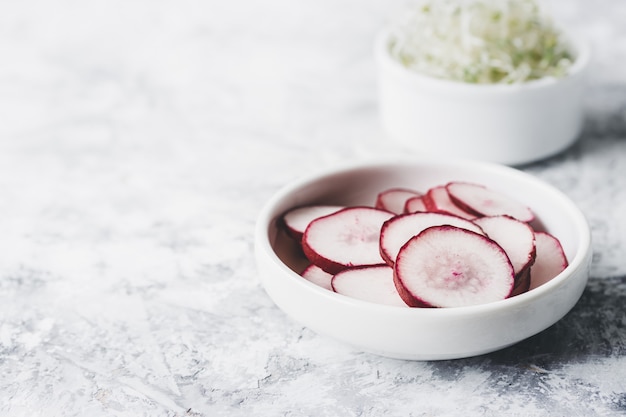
(138, 141)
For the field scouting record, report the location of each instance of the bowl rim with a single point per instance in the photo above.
(267, 217)
(579, 44)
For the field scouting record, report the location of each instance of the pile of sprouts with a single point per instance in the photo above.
(480, 41)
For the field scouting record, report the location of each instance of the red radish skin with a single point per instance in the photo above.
(394, 199)
(437, 199)
(482, 201)
(335, 238)
(368, 283)
(346, 238)
(415, 204)
(399, 229)
(517, 239)
(296, 220)
(446, 266)
(550, 261)
(318, 276)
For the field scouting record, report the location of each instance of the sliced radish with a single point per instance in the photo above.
(516, 238)
(348, 237)
(446, 266)
(399, 229)
(394, 199)
(550, 260)
(296, 220)
(415, 204)
(482, 201)
(368, 283)
(522, 282)
(318, 276)
(437, 199)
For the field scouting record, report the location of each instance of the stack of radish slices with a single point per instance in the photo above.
(457, 244)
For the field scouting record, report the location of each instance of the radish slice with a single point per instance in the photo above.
(446, 266)
(318, 276)
(516, 238)
(522, 282)
(415, 204)
(368, 283)
(399, 229)
(550, 260)
(394, 199)
(437, 199)
(296, 220)
(482, 201)
(345, 238)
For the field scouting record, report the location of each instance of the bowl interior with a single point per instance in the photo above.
(554, 212)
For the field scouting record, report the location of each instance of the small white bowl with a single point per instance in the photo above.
(508, 124)
(420, 333)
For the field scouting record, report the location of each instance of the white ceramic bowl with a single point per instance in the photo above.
(417, 333)
(508, 124)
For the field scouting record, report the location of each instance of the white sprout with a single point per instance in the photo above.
(480, 41)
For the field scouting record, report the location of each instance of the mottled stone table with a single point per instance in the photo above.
(138, 141)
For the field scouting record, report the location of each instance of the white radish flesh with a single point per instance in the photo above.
(516, 238)
(318, 276)
(437, 199)
(415, 204)
(399, 229)
(296, 220)
(446, 266)
(346, 238)
(394, 199)
(368, 283)
(550, 260)
(482, 201)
